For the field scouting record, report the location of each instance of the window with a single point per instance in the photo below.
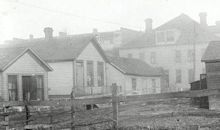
(100, 73)
(90, 74)
(178, 76)
(40, 88)
(178, 56)
(13, 87)
(134, 83)
(142, 55)
(153, 58)
(170, 36)
(130, 55)
(190, 75)
(160, 37)
(190, 55)
(154, 85)
(167, 77)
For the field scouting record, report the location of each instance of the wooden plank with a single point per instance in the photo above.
(115, 103)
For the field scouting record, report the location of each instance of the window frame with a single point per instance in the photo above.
(91, 84)
(100, 81)
(16, 98)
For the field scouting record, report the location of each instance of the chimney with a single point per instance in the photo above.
(48, 31)
(148, 25)
(31, 36)
(95, 31)
(62, 34)
(217, 23)
(203, 19)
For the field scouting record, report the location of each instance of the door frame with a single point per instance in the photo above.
(31, 75)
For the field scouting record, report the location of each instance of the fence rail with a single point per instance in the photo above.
(114, 99)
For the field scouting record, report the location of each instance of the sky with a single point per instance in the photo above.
(20, 18)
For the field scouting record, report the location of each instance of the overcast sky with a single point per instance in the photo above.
(19, 18)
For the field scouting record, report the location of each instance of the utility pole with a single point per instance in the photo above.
(194, 51)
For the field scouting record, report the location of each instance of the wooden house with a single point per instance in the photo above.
(23, 75)
(134, 76)
(212, 63)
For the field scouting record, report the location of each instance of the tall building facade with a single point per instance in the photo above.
(177, 46)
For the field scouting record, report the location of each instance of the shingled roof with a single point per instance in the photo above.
(190, 31)
(58, 48)
(136, 67)
(9, 55)
(212, 53)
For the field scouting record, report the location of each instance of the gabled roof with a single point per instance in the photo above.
(190, 32)
(136, 67)
(10, 55)
(212, 53)
(59, 48)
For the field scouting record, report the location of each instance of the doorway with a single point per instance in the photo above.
(32, 87)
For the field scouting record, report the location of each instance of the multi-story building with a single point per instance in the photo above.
(177, 46)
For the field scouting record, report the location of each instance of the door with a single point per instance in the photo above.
(79, 74)
(32, 87)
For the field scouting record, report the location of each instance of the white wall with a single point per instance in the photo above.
(60, 80)
(25, 65)
(166, 59)
(144, 84)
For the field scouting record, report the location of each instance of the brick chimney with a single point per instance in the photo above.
(203, 19)
(148, 25)
(31, 36)
(48, 31)
(95, 31)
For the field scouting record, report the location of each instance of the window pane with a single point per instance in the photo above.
(12, 87)
(170, 36)
(190, 55)
(178, 76)
(178, 56)
(90, 74)
(134, 83)
(130, 55)
(100, 70)
(160, 37)
(40, 88)
(153, 57)
(154, 85)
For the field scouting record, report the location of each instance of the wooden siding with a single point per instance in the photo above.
(60, 80)
(25, 65)
(144, 84)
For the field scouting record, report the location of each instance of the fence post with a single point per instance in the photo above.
(6, 118)
(115, 103)
(51, 118)
(72, 111)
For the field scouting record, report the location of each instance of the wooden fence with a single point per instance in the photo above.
(114, 99)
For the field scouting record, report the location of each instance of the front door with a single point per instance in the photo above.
(32, 87)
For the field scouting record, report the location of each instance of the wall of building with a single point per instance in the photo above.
(144, 84)
(165, 58)
(60, 80)
(25, 65)
(213, 82)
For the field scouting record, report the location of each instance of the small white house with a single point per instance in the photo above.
(23, 75)
(78, 63)
(133, 76)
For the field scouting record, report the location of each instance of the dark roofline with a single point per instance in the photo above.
(20, 55)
